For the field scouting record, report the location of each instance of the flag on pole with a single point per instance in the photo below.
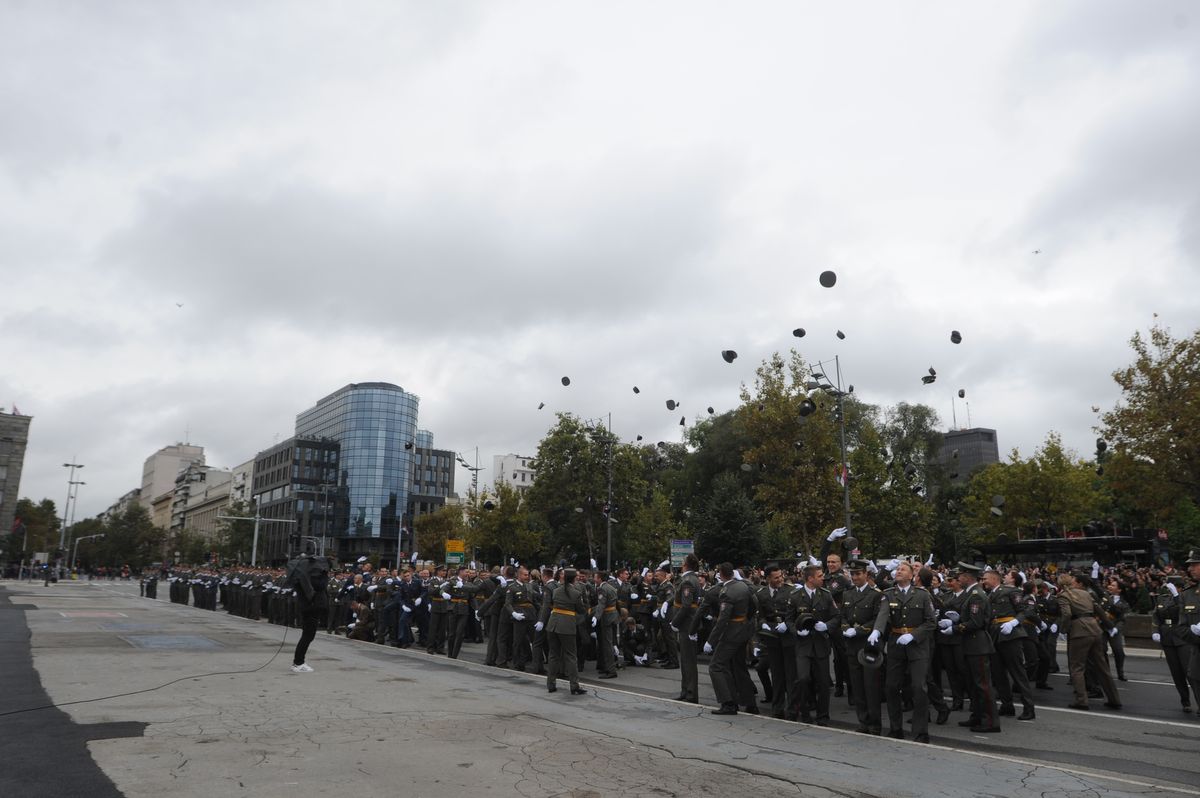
(843, 475)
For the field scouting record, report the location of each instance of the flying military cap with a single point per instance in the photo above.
(828, 279)
(728, 355)
(955, 337)
(870, 657)
(566, 381)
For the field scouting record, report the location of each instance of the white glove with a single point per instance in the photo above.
(930, 560)
(372, 588)
(766, 627)
(1156, 637)
(945, 623)
(1095, 570)
(518, 616)
(539, 626)
(417, 603)
(1113, 632)
(873, 638)
(458, 581)
(633, 597)
(447, 596)
(593, 621)
(952, 615)
(477, 616)
(904, 639)
(802, 632)
(821, 626)
(872, 568)
(694, 637)
(1053, 628)
(851, 632)
(593, 635)
(642, 659)
(662, 611)
(757, 652)
(654, 614)
(708, 648)
(1174, 591)
(1196, 628)
(949, 630)
(840, 532)
(674, 628)
(780, 627)
(1007, 627)
(406, 608)
(893, 564)
(616, 651)
(1042, 626)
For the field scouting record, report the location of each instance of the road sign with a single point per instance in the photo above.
(455, 552)
(679, 550)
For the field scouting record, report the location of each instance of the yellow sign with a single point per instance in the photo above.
(455, 546)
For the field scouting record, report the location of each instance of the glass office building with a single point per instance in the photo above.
(372, 421)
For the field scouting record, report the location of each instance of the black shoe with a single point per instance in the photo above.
(681, 697)
(942, 716)
(875, 730)
(956, 706)
(608, 675)
(752, 709)
(540, 671)
(839, 692)
(1095, 694)
(896, 734)
(805, 718)
(822, 721)
(671, 666)
(777, 715)
(1008, 711)
(985, 729)
(1111, 705)
(1121, 677)
(577, 691)
(551, 689)
(921, 738)
(1084, 707)
(1187, 708)
(1043, 686)
(1026, 715)
(968, 723)
(725, 711)
(863, 729)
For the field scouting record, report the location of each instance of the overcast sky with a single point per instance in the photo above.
(472, 200)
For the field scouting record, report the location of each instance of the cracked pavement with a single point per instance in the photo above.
(371, 717)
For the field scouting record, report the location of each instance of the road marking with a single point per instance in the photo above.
(1127, 681)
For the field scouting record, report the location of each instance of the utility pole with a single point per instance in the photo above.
(62, 533)
(257, 519)
(608, 514)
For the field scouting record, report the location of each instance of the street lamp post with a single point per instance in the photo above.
(257, 517)
(75, 548)
(62, 533)
(836, 391)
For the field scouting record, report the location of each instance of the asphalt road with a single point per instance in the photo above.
(253, 731)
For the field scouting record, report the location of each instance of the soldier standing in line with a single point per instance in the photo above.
(458, 594)
(686, 606)
(1047, 610)
(1080, 614)
(776, 643)
(836, 582)
(1008, 610)
(1189, 621)
(664, 596)
(860, 608)
(814, 621)
(974, 627)
(907, 617)
(949, 648)
(541, 646)
(439, 612)
(1168, 633)
(1116, 608)
(520, 606)
(558, 618)
(604, 622)
(727, 644)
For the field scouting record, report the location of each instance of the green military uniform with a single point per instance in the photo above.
(732, 630)
(605, 617)
(859, 609)
(686, 606)
(520, 606)
(907, 619)
(566, 604)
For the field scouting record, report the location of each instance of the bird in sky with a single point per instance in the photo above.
(1037, 252)
(178, 304)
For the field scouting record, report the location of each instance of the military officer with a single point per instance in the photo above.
(459, 594)
(1008, 611)
(664, 596)
(837, 581)
(686, 606)
(1116, 608)
(558, 615)
(973, 625)
(907, 619)
(727, 644)
(520, 605)
(776, 641)
(859, 609)
(1080, 616)
(604, 621)
(1168, 633)
(1189, 621)
(814, 621)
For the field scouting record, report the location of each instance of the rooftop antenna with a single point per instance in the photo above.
(969, 425)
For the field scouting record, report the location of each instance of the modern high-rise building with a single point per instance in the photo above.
(513, 470)
(14, 436)
(295, 490)
(376, 425)
(965, 451)
(432, 485)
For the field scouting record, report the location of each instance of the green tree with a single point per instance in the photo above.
(646, 539)
(41, 525)
(500, 529)
(1153, 433)
(434, 529)
(235, 538)
(131, 538)
(728, 530)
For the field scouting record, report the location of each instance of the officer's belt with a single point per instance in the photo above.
(459, 601)
(738, 619)
(694, 605)
(1003, 619)
(524, 604)
(607, 610)
(903, 630)
(563, 612)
